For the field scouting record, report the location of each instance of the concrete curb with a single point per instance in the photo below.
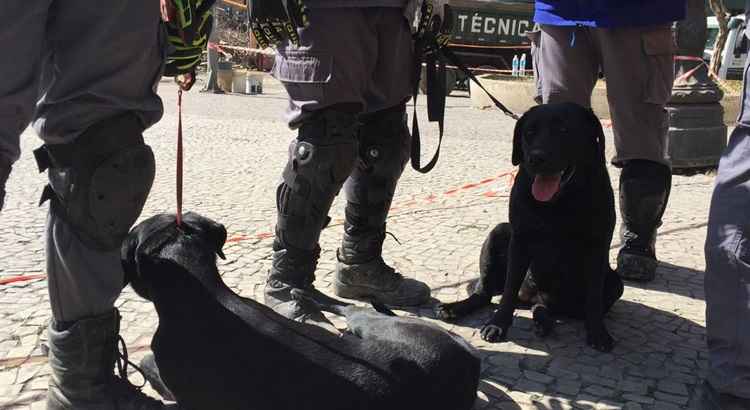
(518, 95)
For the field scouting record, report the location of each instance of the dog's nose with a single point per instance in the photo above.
(536, 158)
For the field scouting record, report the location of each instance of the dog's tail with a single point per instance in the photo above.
(319, 302)
(381, 308)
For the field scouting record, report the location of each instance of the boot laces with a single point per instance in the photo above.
(129, 389)
(123, 362)
(386, 271)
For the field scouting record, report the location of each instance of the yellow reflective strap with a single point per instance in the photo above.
(186, 13)
(184, 66)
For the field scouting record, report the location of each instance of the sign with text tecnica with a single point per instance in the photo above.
(483, 28)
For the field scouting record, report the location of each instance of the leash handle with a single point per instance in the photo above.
(179, 157)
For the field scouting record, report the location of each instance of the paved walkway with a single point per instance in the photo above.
(235, 150)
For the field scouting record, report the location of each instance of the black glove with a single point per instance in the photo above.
(274, 21)
(5, 168)
(430, 18)
(189, 23)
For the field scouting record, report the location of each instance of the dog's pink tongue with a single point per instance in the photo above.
(545, 187)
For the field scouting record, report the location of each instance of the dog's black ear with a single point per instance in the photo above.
(597, 133)
(517, 156)
(218, 236)
(127, 259)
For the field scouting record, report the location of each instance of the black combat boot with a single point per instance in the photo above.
(83, 357)
(153, 376)
(294, 269)
(5, 168)
(644, 192)
(320, 160)
(361, 272)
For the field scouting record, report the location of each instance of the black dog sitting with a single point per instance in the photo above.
(216, 350)
(554, 254)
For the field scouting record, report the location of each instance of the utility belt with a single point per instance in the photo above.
(95, 144)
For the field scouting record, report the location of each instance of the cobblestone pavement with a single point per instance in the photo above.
(235, 150)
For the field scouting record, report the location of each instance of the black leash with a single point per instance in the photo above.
(434, 54)
(453, 58)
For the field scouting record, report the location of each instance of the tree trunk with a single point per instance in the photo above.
(722, 16)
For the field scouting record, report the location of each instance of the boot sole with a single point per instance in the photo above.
(365, 294)
(636, 267)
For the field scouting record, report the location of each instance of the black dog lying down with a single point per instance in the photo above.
(562, 217)
(216, 350)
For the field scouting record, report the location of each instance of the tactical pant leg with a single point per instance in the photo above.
(727, 279)
(361, 272)
(212, 83)
(97, 188)
(320, 160)
(384, 152)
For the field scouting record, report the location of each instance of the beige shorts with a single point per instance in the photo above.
(638, 67)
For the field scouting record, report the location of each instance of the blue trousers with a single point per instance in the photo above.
(727, 279)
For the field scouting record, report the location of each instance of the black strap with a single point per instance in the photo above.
(428, 51)
(435, 105)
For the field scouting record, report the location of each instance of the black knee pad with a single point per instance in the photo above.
(320, 160)
(385, 143)
(384, 149)
(99, 183)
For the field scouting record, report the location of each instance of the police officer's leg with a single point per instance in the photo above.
(383, 152)
(361, 272)
(324, 79)
(567, 65)
(727, 280)
(97, 98)
(22, 32)
(212, 84)
(320, 160)
(638, 64)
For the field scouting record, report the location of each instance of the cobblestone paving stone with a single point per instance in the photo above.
(235, 149)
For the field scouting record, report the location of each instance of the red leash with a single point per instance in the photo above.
(179, 157)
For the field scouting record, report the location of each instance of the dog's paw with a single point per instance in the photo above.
(543, 321)
(600, 339)
(493, 333)
(462, 308)
(446, 312)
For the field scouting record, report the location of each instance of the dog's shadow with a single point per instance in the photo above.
(651, 345)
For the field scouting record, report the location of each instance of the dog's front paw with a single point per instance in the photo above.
(493, 333)
(598, 338)
(457, 310)
(543, 322)
(446, 311)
